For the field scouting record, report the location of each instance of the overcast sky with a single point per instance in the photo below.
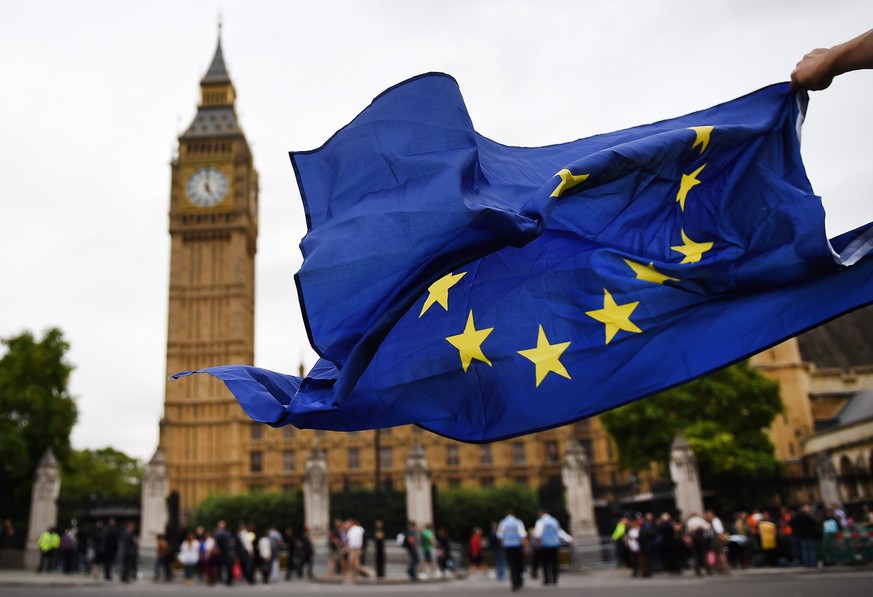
(93, 96)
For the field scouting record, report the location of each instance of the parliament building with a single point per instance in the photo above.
(210, 445)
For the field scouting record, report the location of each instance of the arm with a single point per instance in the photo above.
(819, 67)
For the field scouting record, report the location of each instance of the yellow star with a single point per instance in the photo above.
(688, 182)
(568, 181)
(439, 291)
(615, 316)
(648, 273)
(469, 343)
(546, 357)
(692, 250)
(702, 138)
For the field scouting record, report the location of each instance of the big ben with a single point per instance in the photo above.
(213, 231)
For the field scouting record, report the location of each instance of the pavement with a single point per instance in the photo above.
(599, 576)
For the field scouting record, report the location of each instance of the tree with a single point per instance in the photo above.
(461, 509)
(263, 509)
(36, 411)
(107, 471)
(724, 417)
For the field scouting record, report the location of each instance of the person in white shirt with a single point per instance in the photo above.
(265, 551)
(719, 542)
(189, 555)
(699, 530)
(355, 544)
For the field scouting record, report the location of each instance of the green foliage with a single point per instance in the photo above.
(108, 472)
(261, 509)
(724, 417)
(389, 506)
(462, 509)
(36, 411)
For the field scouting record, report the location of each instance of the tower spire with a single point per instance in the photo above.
(217, 72)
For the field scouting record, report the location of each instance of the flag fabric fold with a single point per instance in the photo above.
(485, 291)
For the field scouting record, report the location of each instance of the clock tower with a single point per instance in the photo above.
(213, 234)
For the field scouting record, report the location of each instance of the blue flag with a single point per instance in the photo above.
(485, 291)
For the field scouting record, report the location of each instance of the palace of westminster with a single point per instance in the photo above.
(210, 445)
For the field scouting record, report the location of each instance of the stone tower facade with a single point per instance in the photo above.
(213, 232)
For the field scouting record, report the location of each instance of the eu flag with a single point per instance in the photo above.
(485, 291)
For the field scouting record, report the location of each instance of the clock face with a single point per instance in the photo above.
(206, 186)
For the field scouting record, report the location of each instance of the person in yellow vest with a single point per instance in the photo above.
(622, 558)
(48, 544)
(769, 542)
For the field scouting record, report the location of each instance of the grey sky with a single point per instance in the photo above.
(93, 95)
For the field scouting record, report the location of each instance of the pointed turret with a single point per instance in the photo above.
(217, 72)
(216, 115)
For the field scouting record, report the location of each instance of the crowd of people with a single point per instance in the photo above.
(97, 550)
(222, 555)
(709, 545)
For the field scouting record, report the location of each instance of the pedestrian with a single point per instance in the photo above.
(84, 549)
(497, 553)
(719, 542)
(646, 540)
(129, 553)
(410, 544)
(308, 551)
(225, 553)
(48, 544)
(67, 549)
(550, 536)
(245, 552)
(265, 556)
(355, 546)
(808, 533)
(445, 562)
(7, 535)
(276, 542)
(208, 558)
(618, 540)
(96, 539)
(427, 546)
(767, 534)
(513, 538)
(476, 557)
(163, 559)
(699, 531)
(668, 544)
(633, 545)
(189, 556)
(109, 545)
(334, 549)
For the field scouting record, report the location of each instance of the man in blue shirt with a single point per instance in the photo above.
(513, 538)
(550, 535)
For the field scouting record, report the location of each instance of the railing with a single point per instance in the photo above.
(848, 547)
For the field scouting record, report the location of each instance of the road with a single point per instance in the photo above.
(844, 582)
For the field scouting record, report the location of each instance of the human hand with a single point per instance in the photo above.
(814, 72)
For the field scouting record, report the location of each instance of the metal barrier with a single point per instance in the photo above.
(848, 547)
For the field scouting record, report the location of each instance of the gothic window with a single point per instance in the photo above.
(550, 449)
(386, 457)
(354, 455)
(289, 462)
(485, 457)
(518, 455)
(486, 482)
(256, 462)
(288, 432)
(452, 455)
(256, 432)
